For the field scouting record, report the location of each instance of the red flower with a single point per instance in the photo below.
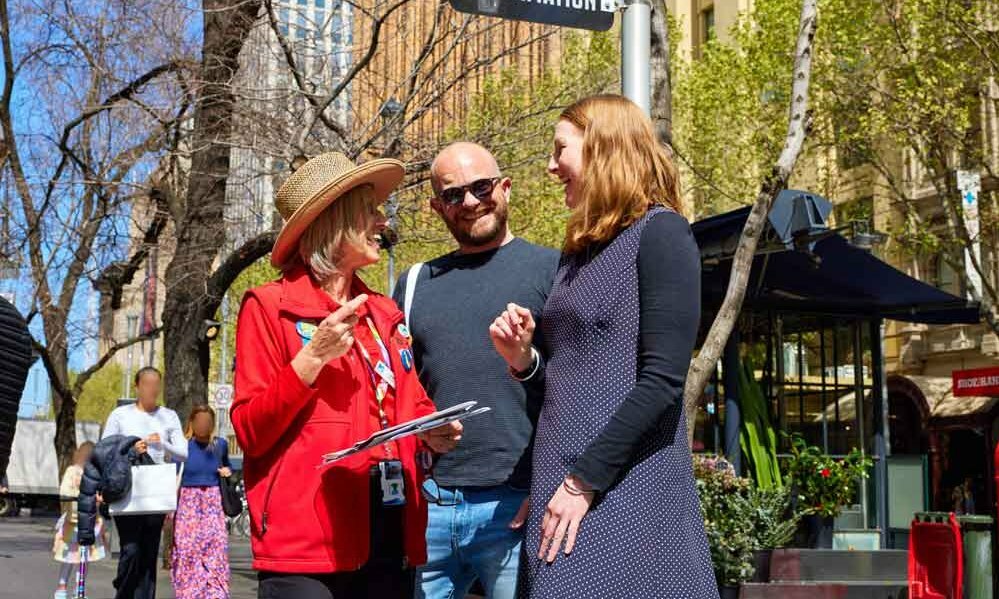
(825, 473)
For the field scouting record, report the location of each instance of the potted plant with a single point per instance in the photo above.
(726, 508)
(773, 522)
(822, 485)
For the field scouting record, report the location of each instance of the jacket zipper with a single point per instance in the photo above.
(267, 497)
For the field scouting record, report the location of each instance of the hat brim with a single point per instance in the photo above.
(383, 174)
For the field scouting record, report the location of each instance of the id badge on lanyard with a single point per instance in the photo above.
(381, 373)
(392, 482)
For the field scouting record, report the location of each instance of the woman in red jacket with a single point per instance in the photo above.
(322, 362)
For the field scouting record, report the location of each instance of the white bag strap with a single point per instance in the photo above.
(411, 277)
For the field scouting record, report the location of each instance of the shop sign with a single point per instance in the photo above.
(976, 382)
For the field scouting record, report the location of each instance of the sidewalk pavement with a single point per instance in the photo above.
(27, 570)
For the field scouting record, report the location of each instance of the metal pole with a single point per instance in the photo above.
(390, 211)
(391, 272)
(733, 415)
(636, 53)
(882, 447)
(392, 111)
(224, 358)
(132, 323)
(860, 409)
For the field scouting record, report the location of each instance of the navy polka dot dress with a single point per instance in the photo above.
(644, 538)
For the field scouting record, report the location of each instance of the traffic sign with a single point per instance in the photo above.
(597, 15)
(223, 396)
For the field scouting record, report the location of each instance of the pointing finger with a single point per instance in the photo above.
(348, 309)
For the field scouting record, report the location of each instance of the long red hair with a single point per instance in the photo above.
(625, 170)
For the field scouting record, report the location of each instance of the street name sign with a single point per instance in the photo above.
(597, 15)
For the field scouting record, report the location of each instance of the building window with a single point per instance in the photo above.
(945, 278)
(708, 24)
(337, 31)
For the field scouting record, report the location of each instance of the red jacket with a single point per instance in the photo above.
(304, 519)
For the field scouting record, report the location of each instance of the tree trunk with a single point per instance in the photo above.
(201, 233)
(65, 436)
(797, 128)
(662, 85)
(63, 402)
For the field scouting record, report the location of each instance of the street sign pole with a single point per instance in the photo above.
(636, 53)
(970, 185)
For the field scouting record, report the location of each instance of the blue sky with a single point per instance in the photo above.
(49, 94)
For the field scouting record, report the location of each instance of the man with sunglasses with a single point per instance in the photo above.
(478, 492)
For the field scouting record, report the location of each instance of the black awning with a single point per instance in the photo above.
(844, 281)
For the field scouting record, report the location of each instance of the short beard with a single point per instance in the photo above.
(466, 238)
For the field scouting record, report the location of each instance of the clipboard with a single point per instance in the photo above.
(406, 429)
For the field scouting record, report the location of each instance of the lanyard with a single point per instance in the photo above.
(385, 377)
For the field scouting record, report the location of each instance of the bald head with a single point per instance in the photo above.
(476, 214)
(462, 156)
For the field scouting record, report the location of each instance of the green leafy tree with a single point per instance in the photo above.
(904, 94)
(514, 119)
(100, 393)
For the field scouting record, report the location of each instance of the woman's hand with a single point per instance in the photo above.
(332, 339)
(141, 447)
(562, 517)
(522, 513)
(225, 472)
(512, 333)
(444, 438)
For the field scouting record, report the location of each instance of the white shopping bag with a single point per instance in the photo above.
(154, 491)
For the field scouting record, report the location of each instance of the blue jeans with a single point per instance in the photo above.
(471, 539)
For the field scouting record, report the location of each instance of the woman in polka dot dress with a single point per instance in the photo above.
(614, 512)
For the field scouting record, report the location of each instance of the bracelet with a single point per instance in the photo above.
(535, 363)
(573, 490)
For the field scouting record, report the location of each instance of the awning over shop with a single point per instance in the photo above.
(936, 392)
(840, 280)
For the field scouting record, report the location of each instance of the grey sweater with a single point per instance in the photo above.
(457, 297)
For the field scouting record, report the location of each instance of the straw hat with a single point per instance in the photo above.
(317, 184)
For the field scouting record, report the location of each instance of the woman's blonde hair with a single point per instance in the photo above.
(625, 170)
(321, 245)
(198, 409)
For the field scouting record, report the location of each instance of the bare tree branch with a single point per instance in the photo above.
(83, 377)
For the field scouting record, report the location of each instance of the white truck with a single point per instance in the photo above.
(33, 472)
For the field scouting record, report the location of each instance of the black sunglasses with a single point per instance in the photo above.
(425, 461)
(481, 189)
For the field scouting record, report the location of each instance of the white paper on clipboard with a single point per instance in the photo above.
(412, 427)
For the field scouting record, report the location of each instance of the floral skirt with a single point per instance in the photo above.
(200, 568)
(66, 546)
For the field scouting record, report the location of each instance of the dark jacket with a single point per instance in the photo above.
(109, 473)
(15, 359)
